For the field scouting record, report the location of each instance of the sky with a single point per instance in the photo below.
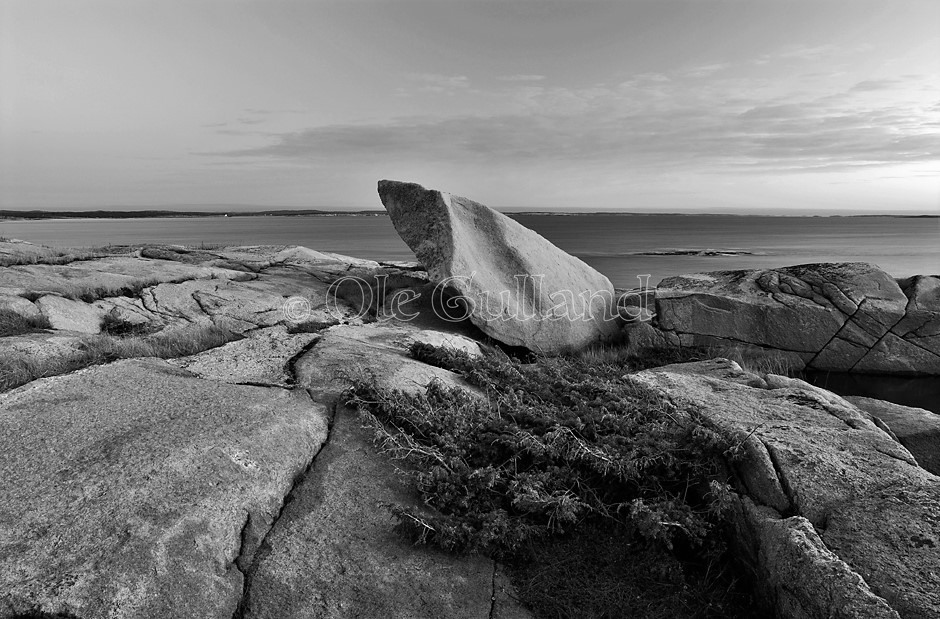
(760, 106)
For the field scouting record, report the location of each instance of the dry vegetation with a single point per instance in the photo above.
(12, 323)
(19, 369)
(59, 257)
(602, 497)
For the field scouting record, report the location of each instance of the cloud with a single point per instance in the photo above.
(705, 70)
(640, 124)
(521, 78)
(801, 52)
(267, 112)
(871, 85)
(439, 84)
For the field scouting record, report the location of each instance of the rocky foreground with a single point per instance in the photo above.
(231, 482)
(235, 483)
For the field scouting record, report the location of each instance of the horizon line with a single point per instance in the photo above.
(247, 210)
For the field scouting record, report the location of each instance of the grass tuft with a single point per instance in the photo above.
(12, 323)
(90, 294)
(604, 354)
(17, 370)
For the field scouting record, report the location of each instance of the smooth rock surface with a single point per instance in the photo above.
(40, 346)
(132, 489)
(335, 554)
(23, 307)
(346, 353)
(916, 428)
(519, 288)
(260, 358)
(69, 315)
(108, 274)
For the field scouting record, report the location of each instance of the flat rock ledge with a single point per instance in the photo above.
(836, 517)
(844, 317)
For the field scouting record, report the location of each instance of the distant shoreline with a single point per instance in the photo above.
(37, 215)
(153, 214)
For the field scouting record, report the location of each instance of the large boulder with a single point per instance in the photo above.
(846, 317)
(517, 287)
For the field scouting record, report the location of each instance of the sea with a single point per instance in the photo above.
(625, 247)
(629, 248)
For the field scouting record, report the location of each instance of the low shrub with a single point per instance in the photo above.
(117, 326)
(310, 326)
(556, 447)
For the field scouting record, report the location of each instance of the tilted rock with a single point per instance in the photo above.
(520, 289)
(873, 508)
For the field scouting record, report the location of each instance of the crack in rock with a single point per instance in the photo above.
(782, 478)
(247, 561)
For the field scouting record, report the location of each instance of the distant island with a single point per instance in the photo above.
(109, 214)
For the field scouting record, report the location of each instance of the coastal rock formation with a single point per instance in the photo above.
(235, 482)
(843, 507)
(232, 482)
(850, 317)
(518, 288)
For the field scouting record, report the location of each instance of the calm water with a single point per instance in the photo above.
(609, 243)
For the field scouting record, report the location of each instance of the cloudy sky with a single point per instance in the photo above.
(635, 105)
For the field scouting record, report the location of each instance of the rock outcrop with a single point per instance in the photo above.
(235, 482)
(518, 288)
(232, 482)
(850, 317)
(838, 516)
